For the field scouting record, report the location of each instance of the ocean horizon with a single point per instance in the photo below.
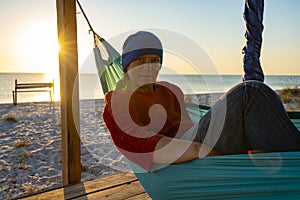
(89, 84)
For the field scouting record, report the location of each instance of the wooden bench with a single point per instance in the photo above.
(32, 87)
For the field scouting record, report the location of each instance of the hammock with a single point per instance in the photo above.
(108, 64)
(253, 176)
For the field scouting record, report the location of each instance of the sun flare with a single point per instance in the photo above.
(39, 47)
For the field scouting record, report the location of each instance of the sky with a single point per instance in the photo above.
(206, 29)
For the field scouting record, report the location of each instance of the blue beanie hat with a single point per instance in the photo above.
(138, 44)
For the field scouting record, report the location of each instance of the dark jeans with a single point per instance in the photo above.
(253, 15)
(250, 116)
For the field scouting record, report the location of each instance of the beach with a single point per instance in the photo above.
(30, 155)
(30, 135)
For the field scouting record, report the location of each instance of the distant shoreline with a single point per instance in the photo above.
(200, 98)
(89, 87)
(237, 74)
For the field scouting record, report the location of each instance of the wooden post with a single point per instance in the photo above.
(52, 92)
(68, 69)
(15, 93)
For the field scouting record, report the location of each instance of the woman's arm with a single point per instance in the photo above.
(171, 150)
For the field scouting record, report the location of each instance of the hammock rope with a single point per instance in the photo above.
(88, 22)
(108, 60)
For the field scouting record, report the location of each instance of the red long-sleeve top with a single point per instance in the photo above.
(137, 121)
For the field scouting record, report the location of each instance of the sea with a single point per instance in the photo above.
(90, 88)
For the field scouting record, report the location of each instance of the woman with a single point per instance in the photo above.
(149, 123)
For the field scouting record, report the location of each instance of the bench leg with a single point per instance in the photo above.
(14, 97)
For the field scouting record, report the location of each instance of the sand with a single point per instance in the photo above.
(30, 150)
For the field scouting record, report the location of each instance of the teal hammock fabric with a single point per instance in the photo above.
(255, 176)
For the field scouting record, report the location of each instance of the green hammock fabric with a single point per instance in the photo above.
(108, 64)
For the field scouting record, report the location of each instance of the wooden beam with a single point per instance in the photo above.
(68, 69)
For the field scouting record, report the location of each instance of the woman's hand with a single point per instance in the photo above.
(205, 150)
(171, 150)
(214, 153)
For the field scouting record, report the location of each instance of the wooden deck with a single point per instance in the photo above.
(119, 186)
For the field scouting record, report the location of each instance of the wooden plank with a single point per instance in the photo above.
(125, 184)
(20, 85)
(34, 90)
(68, 68)
(56, 194)
(32, 86)
(123, 191)
(143, 196)
(100, 184)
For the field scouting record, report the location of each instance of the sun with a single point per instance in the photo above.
(39, 47)
(37, 51)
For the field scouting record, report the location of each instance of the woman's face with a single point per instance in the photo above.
(144, 70)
